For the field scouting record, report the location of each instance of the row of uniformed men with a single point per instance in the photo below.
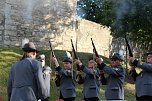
(26, 81)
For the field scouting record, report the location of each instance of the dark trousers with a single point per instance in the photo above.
(144, 98)
(66, 99)
(92, 99)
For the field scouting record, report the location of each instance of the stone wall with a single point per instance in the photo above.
(43, 20)
(82, 36)
(2, 21)
(34, 19)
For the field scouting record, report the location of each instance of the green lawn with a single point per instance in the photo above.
(10, 56)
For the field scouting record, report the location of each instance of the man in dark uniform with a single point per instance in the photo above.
(25, 81)
(91, 81)
(67, 79)
(46, 75)
(115, 79)
(143, 79)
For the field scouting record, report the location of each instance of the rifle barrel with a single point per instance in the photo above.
(129, 49)
(75, 55)
(94, 48)
(51, 49)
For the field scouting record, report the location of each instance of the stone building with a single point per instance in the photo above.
(43, 20)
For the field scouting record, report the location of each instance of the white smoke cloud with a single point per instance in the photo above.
(123, 8)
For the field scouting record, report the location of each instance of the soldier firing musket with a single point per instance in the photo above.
(144, 78)
(67, 78)
(89, 80)
(116, 73)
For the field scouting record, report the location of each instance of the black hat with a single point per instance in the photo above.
(29, 47)
(67, 60)
(148, 53)
(117, 56)
(67, 57)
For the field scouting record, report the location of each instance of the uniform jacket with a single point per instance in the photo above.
(25, 81)
(91, 82)
(114, 81)
(143, 80)
(67, 83)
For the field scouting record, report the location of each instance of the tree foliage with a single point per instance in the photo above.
(124, 17)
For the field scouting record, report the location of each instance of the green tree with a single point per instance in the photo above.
(133, 17)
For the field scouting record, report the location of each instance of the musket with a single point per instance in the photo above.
(94, 49)
(129, 49)
(130, 54)
(75, 55)
(57, 79)
(52, 52)
(73, 49)
(96, 54)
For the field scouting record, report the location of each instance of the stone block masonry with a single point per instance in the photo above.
(40, 21)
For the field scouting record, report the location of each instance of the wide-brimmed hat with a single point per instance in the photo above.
(117, 56)
(29, 47)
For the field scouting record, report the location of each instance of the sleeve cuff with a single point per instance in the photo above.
(101, 66)
(58, 68)
(82, 67)
(135, 63)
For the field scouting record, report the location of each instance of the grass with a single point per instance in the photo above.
(10, 56)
